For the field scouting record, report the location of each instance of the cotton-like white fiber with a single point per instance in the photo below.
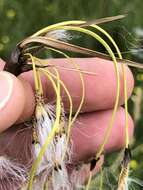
(76, 179)
(53, 163)
(60, 179)
(12, 175)
(44, 126)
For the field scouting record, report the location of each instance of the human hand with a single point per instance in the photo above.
(17, 103)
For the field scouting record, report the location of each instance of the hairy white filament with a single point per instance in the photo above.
(44, 126)
(12, 174)
(60, 179)
(61, 34)
(52, 164)
(77, 178)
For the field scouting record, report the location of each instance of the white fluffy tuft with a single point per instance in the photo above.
(53, 164)
(12, 174)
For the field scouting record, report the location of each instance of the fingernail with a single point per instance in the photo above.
(6, 86)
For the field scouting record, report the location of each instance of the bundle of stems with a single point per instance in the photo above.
(50, 127)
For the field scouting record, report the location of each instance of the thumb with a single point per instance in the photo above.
(12, 99)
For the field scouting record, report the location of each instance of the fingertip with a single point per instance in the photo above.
(90, 129)
(120, 136)
(117, 138)
(129, 82)
(12, 99)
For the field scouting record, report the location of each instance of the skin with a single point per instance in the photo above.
(17, 103)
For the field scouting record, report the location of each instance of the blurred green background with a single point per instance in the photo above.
(20, 18)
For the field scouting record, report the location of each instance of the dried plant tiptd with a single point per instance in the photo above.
(48, 147)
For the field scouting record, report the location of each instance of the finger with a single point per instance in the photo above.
(100, 89)
(89, 130)
(87, 135)
(95, 100)
(14, 100)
